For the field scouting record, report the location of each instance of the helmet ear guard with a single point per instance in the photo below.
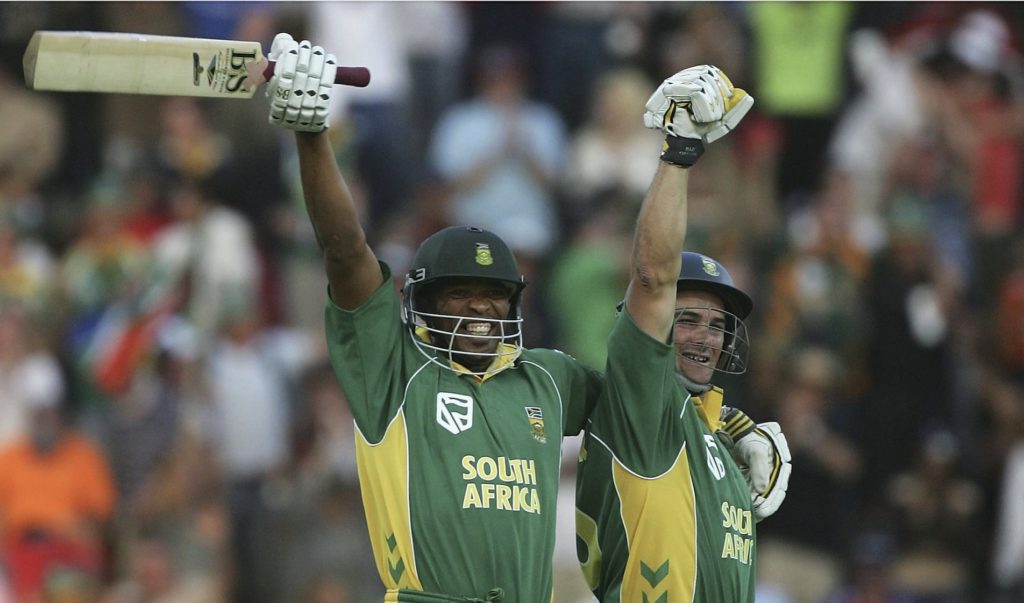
(736, 348)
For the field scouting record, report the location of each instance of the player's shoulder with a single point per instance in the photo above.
(558, 364)
(548, 356)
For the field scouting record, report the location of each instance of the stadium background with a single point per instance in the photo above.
(158, 276)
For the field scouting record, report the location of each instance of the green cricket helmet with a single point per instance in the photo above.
(702, 273)
(460, 252)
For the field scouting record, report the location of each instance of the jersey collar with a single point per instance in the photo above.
(709, 406)
(505, 358)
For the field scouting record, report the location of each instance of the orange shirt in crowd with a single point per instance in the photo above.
(60, 493)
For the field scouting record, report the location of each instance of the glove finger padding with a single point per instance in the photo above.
(283, 49)
(282, 43)
(736, 108)
(678, 107)
(766, 506)
(322, 95)
(667, 108)
(701, 97)
(304, 78)
(306, 95)
(767, 498)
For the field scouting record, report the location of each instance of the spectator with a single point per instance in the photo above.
(182, 502)
(595, 261)
(313, 517)
(572, 47)
(972, 87)
(435, 35)
(937, 523)
(909, 299)
(155, 576)
(110, 302)
(250, 373)
(189, 148)
(816, 285)
(56, 499)
(871, 130)
(145, 422)
(30, 148)
(376, 117)
(104, 262)
(208, 251)
(501, 153)
(800, 83)
(609, 151)
(27, 269)
(797, 547)
(28, 373)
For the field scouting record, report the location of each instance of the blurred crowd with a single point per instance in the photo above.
(171, 431)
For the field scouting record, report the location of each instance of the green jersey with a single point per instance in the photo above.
(662, 511)
(459, 475)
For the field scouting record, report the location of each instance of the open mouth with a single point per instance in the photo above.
(697, 358)
(477, 328)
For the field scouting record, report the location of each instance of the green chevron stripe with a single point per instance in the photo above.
(653, 577)
(396, 570)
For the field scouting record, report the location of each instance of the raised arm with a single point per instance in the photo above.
(657, 245)
(300, 93)
(693, 107)
(352, 268)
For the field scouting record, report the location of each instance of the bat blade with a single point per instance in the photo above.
(78, 61)
(86, 61)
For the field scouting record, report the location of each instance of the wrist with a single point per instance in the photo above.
(681, 152)
(736, 423)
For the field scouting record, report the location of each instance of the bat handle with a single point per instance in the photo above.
(346, 76)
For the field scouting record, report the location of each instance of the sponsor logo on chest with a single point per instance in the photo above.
(454, 412)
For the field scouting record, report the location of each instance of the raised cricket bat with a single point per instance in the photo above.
(127, 63)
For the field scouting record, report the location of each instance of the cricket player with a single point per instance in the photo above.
(664, 512)
(458, 427)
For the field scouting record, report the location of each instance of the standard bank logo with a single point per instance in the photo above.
(454, 412)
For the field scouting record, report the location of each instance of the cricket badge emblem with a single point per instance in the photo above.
(535, 415)
(709, 266)
(483, 254)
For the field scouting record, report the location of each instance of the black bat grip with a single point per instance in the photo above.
(346, 76)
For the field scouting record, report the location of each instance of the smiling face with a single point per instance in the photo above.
(700, 328)
(471, 309)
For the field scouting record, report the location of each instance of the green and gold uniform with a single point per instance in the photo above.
(459, 474)
(662, 511)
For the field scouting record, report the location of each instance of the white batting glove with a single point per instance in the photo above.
(696, 104)
(762, 453)
(301, 87)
